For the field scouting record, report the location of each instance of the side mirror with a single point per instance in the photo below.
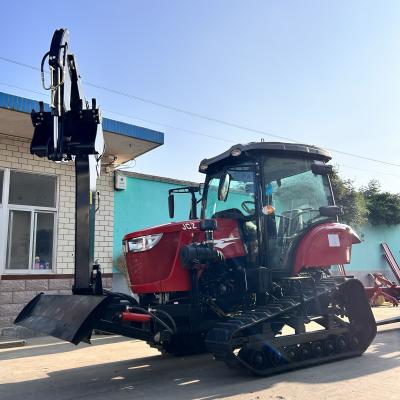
(171, 205)
(321, 169)
(223, 187)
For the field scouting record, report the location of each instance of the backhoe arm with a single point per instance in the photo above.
(72, 131)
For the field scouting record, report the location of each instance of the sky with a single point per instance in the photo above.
(318, 72)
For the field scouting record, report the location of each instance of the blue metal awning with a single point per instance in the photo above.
(125, 141)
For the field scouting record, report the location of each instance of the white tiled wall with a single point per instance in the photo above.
(14, 154)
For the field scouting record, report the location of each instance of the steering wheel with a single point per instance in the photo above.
(245, 205)
(310, 210)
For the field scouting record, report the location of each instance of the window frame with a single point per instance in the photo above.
(5, 209)
(247, 167)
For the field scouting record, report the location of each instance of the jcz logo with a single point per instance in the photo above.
(188, 225)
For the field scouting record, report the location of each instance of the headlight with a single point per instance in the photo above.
(236, 152)
(203, 167)
(143, 243)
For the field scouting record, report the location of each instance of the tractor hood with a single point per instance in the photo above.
(152, 254)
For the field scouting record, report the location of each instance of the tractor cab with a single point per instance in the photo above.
(276, 191)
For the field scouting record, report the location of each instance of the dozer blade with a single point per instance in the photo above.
(67, 317)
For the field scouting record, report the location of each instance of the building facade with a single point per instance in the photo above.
(37, 208)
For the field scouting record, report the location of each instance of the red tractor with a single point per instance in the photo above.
(243, 281)
(257, 260)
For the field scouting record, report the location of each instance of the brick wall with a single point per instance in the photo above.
(14, 154)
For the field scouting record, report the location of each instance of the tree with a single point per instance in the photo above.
(351, 200)
(383, 207)
(373, 188)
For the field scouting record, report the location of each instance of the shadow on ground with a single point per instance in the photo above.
(197, 377)
(43, 347)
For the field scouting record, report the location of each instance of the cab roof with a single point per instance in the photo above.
(249, 150)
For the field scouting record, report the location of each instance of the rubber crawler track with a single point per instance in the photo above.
(241, 343)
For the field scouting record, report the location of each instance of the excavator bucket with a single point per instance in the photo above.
(67, 317)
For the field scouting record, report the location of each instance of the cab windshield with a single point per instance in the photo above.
(295, 192)
(241, 193)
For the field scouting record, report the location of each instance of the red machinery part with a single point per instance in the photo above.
(159, 269)
(389, 257)
(135, 317)
(383, 290)
(325, 245)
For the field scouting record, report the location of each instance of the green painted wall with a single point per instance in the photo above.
(144, 203)
(368, 255)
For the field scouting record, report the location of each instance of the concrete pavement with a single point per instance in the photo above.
(115, 368)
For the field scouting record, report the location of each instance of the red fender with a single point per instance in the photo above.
(325, 245)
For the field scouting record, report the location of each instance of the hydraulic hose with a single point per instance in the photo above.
(159, 320)
(135, 306)
(168, 316)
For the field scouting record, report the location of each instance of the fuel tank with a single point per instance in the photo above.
(157, 268)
